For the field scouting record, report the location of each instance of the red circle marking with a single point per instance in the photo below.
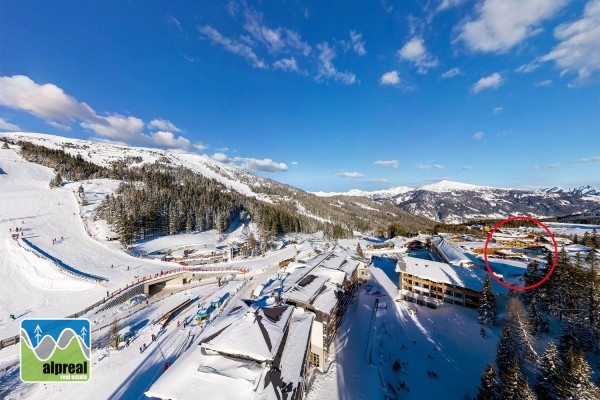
(520, 218)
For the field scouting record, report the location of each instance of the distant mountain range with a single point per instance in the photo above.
(414, 208)
(583, 190)
(456, 202)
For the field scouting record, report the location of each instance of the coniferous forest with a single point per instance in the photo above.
(162, 199)
(566, 306)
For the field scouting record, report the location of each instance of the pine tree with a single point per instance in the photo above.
(359, 251)
(489, 387)
(488, 314)
(593, 296)
(56, 181)
(534, 301)
(505, 350)
(548, 376)
(574, 381)
(521, 329)
(569, 339)
(514, 384)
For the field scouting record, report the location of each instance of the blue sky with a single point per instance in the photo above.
(320, 95)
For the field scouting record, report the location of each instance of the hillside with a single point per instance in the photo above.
(455, 202)
(277, 207)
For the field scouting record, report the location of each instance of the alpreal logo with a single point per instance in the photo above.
(55, 350)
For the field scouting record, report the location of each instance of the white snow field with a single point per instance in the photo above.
(430, 345)
(53, 226)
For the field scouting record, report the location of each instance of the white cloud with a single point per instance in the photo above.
(579, 48)
(163, 125)
(451, 73)
(268, 36)
(48, 101)
(232, 8)
(478, 135)
(251, 164)
(168, 139)
(415, 52)
(52, 104)
(350, 174)
(358, 44)
(429, 166)
(391, 78)
(464, 167)
(286, 64)
(294, 162)
(274, 39)
(497, 110)
(7, 126)
(199, 146)
(117, 127)
(529, 67)
(327, 70)
(545, 83)
(489, 82)
(590, 160)
(171, 20)
(378, 180)
(502, 24)
(387, 163)
(447, 4)
(265, 165)
(232, 46)
(221, 157)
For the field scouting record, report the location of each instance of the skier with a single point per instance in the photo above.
(178, 324)
(141, 350)
(166, 367)
(12, 316)
(153, 337)
(127, 343)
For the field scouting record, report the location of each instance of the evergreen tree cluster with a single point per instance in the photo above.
(169, 200)
(69, 167)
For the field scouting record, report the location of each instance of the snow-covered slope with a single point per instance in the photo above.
(364, 216)
(104, 154)
(377, 194)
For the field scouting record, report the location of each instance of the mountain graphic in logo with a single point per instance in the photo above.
(55, 350)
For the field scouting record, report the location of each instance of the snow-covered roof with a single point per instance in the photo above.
(208, 374)
(326, 300)
(451, 252)
(295, 349)
(335, 275)
(249, 332)
(576, 248)
(307, 288)
(466, 277)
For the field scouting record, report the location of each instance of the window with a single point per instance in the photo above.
(314, 359)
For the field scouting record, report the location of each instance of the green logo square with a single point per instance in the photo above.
(55, 350)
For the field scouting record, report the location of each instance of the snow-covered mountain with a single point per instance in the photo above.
(377, 194)
(356, 214)
(456, 202)
(582, 190)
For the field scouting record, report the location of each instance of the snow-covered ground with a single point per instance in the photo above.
(128, 373)
(430, 346)
(55, 226)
